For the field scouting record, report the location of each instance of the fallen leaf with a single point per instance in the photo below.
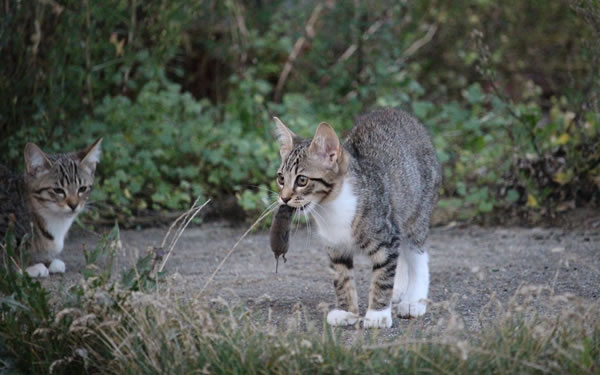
(563, 177)
(531, 201)
(563, 139)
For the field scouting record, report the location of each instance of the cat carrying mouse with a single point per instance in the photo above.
(372, 194)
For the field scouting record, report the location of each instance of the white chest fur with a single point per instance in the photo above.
(58, 226)
(334, 218)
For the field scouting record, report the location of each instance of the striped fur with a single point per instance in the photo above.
(46, 200)
(374, 195)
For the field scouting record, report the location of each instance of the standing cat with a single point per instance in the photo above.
(45, 200)
(373, 194)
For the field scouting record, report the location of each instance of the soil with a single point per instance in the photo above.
(467, 263)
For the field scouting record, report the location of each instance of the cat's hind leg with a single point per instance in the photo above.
(412, 302)
(341, 265)
(37, 270)
(400, 280)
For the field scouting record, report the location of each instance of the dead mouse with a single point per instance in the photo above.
(280, 232)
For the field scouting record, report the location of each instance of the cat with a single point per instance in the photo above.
(45, 200)
(372, 194)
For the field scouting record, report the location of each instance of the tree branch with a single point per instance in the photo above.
(309, 33)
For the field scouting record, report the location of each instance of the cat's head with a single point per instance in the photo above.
(312, 170)
(60, 184)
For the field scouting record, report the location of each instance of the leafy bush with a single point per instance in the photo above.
(183, 92)
(165, 148)
(60, 59)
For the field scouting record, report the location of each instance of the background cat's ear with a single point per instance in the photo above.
(286, 138)
(325, 145)
(36, 161)
(91, 156)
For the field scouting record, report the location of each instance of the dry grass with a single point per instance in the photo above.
(535, 332)
(135, 328)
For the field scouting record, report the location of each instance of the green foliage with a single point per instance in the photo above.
(165, 148)
(183, 93)
(59, 59)
(24, 306)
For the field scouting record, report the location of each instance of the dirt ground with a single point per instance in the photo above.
(468, 262)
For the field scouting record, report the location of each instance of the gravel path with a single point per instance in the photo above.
(470, 263)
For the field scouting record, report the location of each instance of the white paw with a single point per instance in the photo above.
(378, 318)
(57, 266)
(341, 318)
(409, 310)
(37, 270)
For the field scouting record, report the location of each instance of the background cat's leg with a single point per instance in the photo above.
(346, 312)
(412, 303)
(379, 313)
(37, 270)
(57, 266)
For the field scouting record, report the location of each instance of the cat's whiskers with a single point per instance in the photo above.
(270, 208)
(297, 218)
(318, 218)
(90, 206)
(307, 218)
(316, 214)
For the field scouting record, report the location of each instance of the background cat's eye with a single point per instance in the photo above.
(280, 179)
(82, 189)
(301, 181)
(59, 191)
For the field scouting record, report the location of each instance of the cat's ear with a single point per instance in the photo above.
(325, 145)
(91, 156)
(36, 161)
(286, 138)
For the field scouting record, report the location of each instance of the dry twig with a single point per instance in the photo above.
(265, 214)
(309, 33)
(365, 37)
(184, 220)
(419, 43)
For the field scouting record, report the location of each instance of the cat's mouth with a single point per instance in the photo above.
(303, 207)
(66, 210)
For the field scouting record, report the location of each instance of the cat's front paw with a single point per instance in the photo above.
(378, 318)
(57, 266)
(341, 318)
(37, 270)
(409, 310)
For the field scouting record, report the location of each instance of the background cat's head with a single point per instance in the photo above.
(60, 183)
(311, 170)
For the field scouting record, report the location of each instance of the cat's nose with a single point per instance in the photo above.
(73, 205)
(286, 199)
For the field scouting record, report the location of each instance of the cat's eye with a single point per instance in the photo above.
(59, 191)
(280, 179)
(301, 181)
(82, 189)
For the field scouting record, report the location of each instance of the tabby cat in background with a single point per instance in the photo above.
(45, 200)
(372, 194)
